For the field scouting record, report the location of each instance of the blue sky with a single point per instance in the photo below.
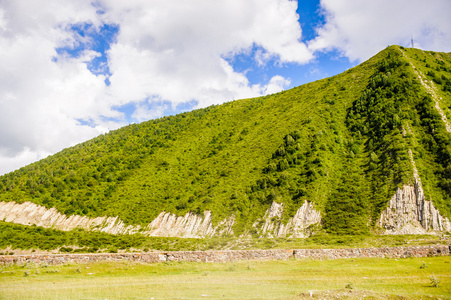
(79, 68)
(92, 38)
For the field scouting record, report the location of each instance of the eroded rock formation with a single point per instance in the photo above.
(296, 227)
(166, 224)
(408, 212)
(190, 225)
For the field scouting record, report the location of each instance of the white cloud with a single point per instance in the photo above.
(176, 53)
(168, 50)
(276, 84)
(40, 99)
(143, 112)
(21, 158)
(359, 29)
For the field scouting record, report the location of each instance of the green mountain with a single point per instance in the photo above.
(345, 147)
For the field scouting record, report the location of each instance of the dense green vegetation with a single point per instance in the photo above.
(342, 143)
(432, 143)
(15, 236)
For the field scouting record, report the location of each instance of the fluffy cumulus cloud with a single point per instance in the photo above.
(361, 28)
(41, 98)
(169, 52)
(177, 51)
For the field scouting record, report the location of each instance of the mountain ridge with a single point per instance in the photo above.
(345, 144)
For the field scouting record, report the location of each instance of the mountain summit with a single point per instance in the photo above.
(368, 150)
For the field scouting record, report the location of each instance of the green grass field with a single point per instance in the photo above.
(371, 278)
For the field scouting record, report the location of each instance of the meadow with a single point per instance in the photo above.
(372, 278)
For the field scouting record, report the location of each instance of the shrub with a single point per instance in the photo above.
(112, 250)
(434, 281)
(232, 268)
(66, 249)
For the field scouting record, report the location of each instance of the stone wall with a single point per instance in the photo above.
(229, 255)
(393, 252)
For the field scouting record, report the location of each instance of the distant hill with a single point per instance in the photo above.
(368, 150)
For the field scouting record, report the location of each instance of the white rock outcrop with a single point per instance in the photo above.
(409, 212)
(166, 224)
(190, 225)
(29, 213)
(296, 227)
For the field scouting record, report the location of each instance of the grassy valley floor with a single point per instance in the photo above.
(374, 278)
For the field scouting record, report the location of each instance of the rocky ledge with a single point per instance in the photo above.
(408, 212)
(166, 224)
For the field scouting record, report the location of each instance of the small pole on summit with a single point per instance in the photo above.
(411, 41)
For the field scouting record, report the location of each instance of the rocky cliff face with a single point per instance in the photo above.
(409, 213)
(296, 227)
(165, 224)
(190, 225)
(28, 213)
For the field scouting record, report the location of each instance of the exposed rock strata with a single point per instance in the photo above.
(29, 213)
(409, 212)
(166, 224)
(190, 225)
(296, 227)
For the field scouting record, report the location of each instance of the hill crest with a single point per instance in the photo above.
(350, 148)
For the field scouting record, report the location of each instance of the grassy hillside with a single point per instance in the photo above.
(341, 142)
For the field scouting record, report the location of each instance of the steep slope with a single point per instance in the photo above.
(409, 211)
(339, 154)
